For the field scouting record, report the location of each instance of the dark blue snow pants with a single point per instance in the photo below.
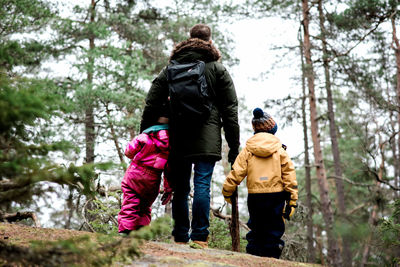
(266, 224)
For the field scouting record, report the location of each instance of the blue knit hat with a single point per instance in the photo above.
(263, 122)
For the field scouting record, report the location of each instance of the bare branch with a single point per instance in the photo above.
(84, 217)
(18, 216)
(217, 213)
(337, 54)
(375, 174)
(103, 191)
(349, 181)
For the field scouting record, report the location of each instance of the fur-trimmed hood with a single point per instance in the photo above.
(207, 50)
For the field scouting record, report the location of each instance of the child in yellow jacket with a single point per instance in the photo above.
(271, 184)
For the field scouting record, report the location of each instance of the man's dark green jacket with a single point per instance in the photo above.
(203, 141)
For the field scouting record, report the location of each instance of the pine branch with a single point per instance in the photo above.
(338, 54)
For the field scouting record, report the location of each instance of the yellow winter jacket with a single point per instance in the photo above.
(267, 166)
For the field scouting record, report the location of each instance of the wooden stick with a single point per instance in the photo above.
(13, 217)
(234, 225)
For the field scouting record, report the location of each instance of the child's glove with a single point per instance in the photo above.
(290, 207)
(166, 196)
(227, 196)
(228, 199)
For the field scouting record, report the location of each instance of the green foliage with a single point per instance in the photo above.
(30, 54)
(261, 8)
(23, 15)
(389, 232)
(25, 105)
(360, 14)
(159, 229)
(85, 250)
(220, 237)
(219, 234)
(79, 251)
(22, 102)
(105, 212)
(18, 17)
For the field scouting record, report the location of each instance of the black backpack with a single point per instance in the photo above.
(190, 100)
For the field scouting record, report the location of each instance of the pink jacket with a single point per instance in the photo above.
(149, 153)
(149, 150)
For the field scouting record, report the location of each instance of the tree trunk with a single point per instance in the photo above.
(89, 115)
(168, 209)
(70, 207)
(333, 255)
(114, 136)
(320, 243)
(393, 148)
(396, 47)
(372, 221)
(310, 239)
(367, 245)
(347, 257)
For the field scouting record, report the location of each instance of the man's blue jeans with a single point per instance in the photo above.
(201, 200)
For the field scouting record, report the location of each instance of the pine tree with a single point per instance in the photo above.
(27, 108)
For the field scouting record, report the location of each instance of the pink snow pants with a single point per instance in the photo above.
(140, 188)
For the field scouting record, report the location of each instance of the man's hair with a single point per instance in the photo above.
(201, 31)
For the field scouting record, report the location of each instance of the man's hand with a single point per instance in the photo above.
(289, 210)
(232, 156)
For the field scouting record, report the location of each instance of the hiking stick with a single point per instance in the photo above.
(234, 227)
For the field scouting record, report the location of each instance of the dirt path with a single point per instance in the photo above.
(164, 254)
(153, 253)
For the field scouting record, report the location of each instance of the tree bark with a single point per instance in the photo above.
(396, 47)
(347, 257)
(310, 238)
(70, 207)
(333, 255)
(320, 245)
(90, 136)
(114, 136)
(372, 221)
(89, 115)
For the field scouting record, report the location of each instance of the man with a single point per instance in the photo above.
(197, 144)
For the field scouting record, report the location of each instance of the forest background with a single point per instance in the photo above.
(74, 76)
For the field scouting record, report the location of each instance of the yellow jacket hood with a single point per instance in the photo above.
(263, 144)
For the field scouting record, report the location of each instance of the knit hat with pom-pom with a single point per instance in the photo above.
(263, 122)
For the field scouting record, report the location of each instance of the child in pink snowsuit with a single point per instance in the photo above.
(140, 185)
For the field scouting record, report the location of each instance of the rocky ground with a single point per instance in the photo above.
(153, 253)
